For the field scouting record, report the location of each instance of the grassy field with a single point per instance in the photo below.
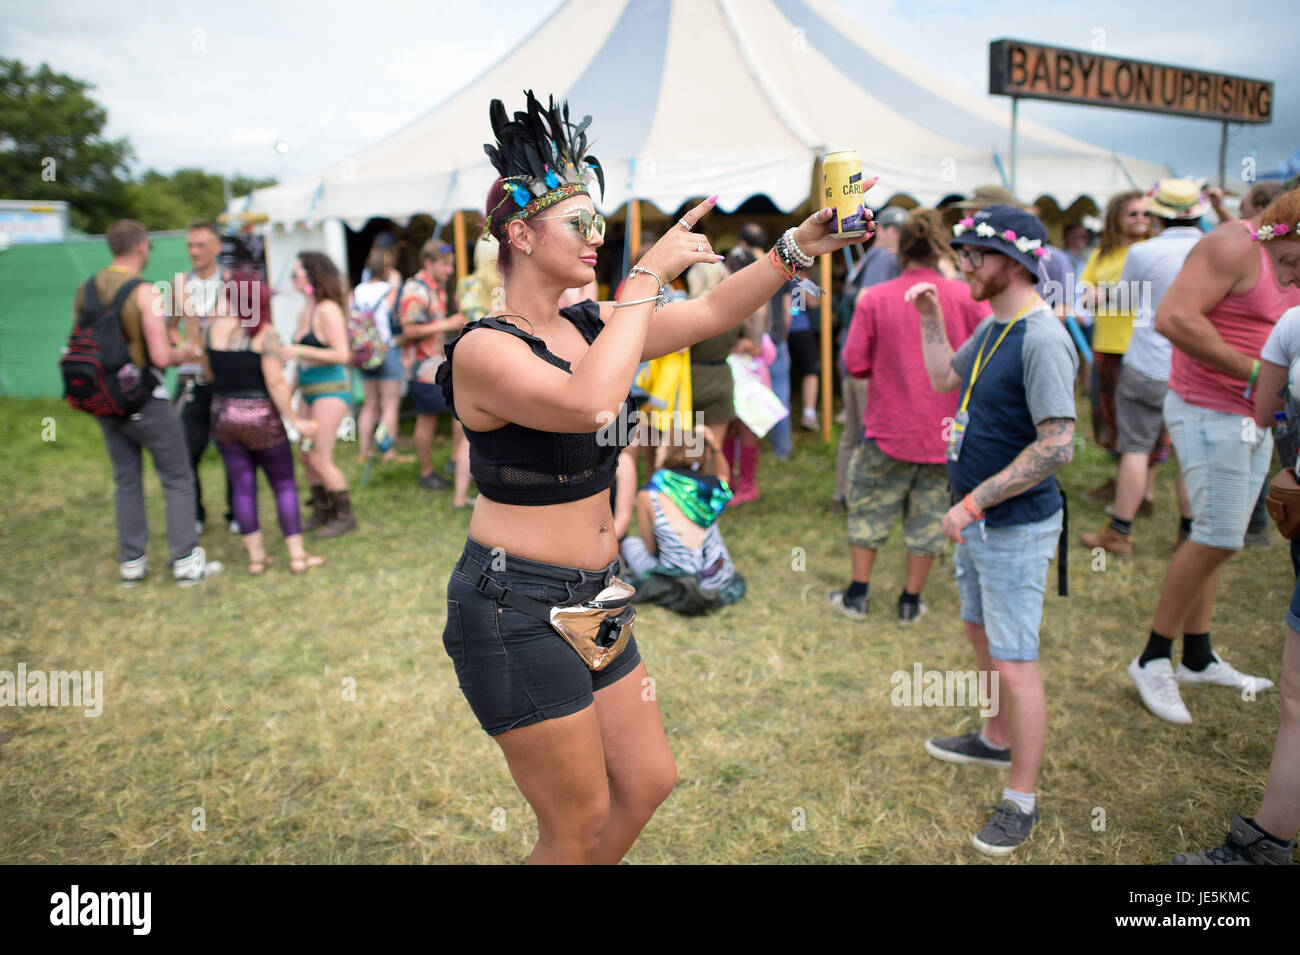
(225, 704)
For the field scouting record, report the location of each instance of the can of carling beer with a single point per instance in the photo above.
(842, 191)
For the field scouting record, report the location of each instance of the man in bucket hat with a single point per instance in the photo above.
(1013, 431)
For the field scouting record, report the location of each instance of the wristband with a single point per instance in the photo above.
(786, 272)
(1250, 383)
(969, 503)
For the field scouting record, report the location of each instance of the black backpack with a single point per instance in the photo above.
(98, 374)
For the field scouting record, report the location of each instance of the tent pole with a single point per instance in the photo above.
(458, 235)
(1015, 137)
(1223, 154)
(633, 238)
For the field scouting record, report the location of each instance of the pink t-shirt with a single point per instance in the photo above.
(905, 415)
(1244, 320)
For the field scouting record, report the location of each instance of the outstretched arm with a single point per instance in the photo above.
(682, 324)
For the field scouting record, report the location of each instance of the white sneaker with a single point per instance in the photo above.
(1221, 674)
(195, 568)
(810, 421)
(134, 571)
(1159, 689)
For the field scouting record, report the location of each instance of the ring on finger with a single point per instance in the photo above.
(684, 224)
(699, 246)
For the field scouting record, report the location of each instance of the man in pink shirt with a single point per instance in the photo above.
(900, 466)
(1218, 314)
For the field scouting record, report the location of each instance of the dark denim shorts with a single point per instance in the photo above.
(515, 669)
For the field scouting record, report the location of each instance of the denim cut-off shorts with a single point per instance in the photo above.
(513, 668)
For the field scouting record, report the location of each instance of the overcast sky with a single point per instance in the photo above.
(215, 84)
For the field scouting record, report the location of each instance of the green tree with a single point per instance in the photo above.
(169, 202)
(52, 145)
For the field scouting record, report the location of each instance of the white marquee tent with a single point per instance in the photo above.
(692, 97)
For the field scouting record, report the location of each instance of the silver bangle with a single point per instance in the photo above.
(640, 301)
(638, 270)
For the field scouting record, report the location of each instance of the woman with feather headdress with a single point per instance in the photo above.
(542, 393)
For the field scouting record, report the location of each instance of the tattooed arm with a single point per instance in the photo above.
(1052, 451)
(935, 346)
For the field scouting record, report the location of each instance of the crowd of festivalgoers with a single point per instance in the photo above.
(959, 348)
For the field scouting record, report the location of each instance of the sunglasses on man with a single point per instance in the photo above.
(589, 224)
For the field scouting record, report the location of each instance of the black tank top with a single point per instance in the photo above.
(518, 465)
(237, 372)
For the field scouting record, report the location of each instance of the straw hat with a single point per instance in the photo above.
(1176, 199)
(990, 195)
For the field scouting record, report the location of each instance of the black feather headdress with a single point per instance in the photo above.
(541, 155)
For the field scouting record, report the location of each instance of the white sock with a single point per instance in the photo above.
(992, 745)
(1025, 802)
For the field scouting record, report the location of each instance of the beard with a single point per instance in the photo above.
(995, 284)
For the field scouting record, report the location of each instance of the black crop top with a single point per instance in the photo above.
(517, 465)
(236, 371)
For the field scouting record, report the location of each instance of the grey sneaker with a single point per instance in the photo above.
(134, 571)
(968, 750)
(910, 613)
(1246, 845)
(857, 609)
(433, 481)
(1006, 831)
(195, 568)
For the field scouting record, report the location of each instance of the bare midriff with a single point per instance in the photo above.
(573, 534)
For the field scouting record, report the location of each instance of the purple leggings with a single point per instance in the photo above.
(277, 462)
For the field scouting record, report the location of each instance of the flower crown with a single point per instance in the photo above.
(1023, 244)
(1267, 232)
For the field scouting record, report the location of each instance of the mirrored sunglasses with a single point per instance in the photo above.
(590, 224)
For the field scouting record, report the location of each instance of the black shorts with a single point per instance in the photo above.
(515, 669)
(805, 356)
(427, 398)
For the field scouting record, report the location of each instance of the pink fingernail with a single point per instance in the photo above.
(721, 257)
(713, 198)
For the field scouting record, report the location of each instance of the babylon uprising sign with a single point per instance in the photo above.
(1031, 71)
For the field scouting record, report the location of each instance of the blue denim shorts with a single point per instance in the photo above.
(1293, 612)
(515, 669)
(389, 370)
(1002, 580)
(1224, 459)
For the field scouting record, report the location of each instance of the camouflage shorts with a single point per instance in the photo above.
(881, 489)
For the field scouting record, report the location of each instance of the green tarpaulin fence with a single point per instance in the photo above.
(37, 285)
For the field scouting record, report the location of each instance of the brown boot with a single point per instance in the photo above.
(1111, 540)
(341, 519)
(320, 508)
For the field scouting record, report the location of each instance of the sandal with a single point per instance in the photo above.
(305, 563)
(258, 567)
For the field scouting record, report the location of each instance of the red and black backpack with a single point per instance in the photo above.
(98, 374)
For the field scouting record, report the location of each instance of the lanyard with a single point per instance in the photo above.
(980, 362)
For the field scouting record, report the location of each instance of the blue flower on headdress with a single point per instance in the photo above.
(552, 180)
(520, 195)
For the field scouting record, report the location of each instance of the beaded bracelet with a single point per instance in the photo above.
(784, 252)
(801, 258)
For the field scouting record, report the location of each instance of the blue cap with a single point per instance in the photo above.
(996, 222)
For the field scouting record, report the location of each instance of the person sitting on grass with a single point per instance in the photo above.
(680, 559)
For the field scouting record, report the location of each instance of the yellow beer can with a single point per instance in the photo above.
(842, 191)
